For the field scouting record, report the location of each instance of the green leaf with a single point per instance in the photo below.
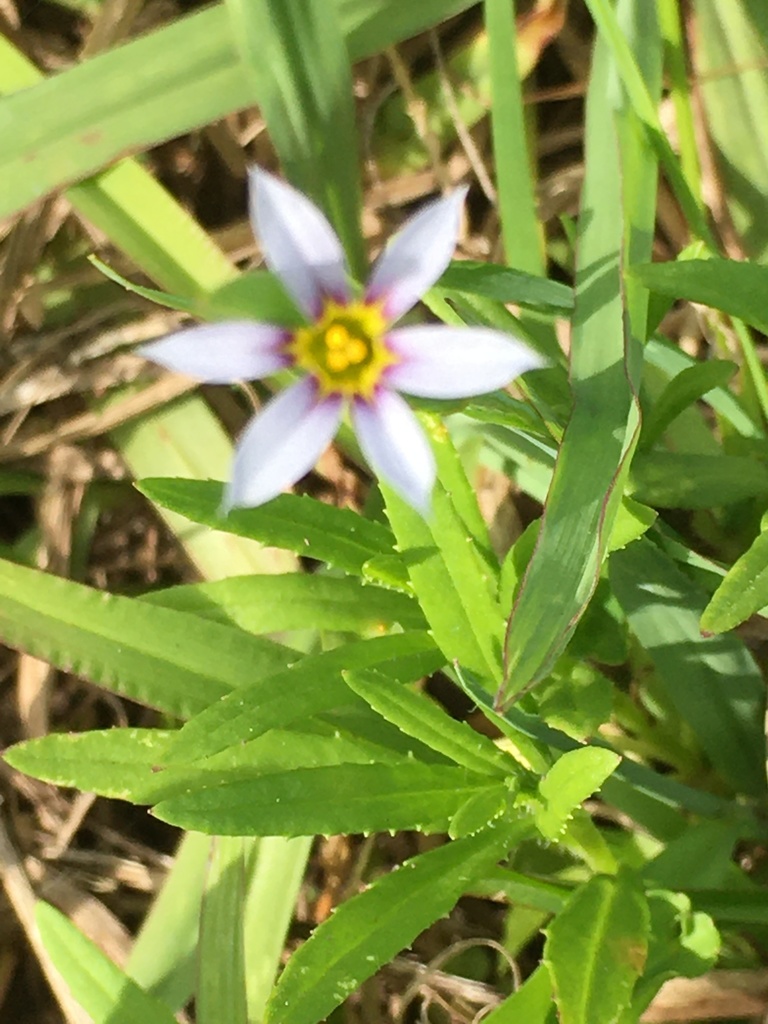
(118, 763)
(448, 565)
(370, 928)
(743, 592)
(633, 520)
(687, 387)
(99, 986)
(290, 601)
(480, 811)
(83, 118)
(220, 994)
(255, 295)
(596, 949)
(682, 944)
(133, 764)
(571, 779)
(312, 685)
(713, 683)
(421, 718)
(577, 698)
(276, 881)
(532, 1003)
(305, 95)
(506, 285)
(521, 233)
(729, 55)
(152, 294)
(683, 941)
(162, 959)
(681, 480)
(732, 286)
(666, 356)
(618, 207)
(337, 536)
(339, 798)
(166, 659)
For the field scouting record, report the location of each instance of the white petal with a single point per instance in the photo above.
(455, 362)
(299, 244)
(395, 446)
(222, 353)
(417, 255)
(281, 444)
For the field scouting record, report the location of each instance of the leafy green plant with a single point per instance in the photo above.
(616, 756)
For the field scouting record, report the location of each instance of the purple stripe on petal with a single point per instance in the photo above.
(222, 353)
(300, 246)
(395, 446)
(281, 444)
(417, 255)
(456, 362)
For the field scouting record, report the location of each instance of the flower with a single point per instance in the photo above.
(351, 356)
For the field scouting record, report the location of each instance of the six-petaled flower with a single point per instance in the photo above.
(350, 354)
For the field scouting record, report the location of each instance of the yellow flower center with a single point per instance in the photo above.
(344, 349)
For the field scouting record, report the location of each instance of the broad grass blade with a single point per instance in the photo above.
(606, 354)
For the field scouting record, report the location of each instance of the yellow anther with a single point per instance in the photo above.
(337, 336)
(345, 348)
(337, 360)
(356, 350)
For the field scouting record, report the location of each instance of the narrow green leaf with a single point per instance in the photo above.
(337, 536)
(523, 239)
(730, 53)
(596, 948)
(290, 601)
(107, 994)
(743, 592)
(681, 480)
(255, 294)
(118, 763)
(152, 294)
(339, 798)
(684, 389)
(644, 101)
(712, 682)
(449, 564)
(507, 285)
(735, 287)
(419, 717)
(162, 959)
(618, 208)
(305, 95)
(480, 811)
(132, 764)
(176, 662)
(571, 779)
(220, 995)
(81, 119)
(664, 355)
(532, 1002)
(276, 879)
(312, 685)
(369, 929)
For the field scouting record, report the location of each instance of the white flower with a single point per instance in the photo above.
(351, 355)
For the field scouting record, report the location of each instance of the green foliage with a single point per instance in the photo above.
(597, 948)
(335, 536)
(107, 994)
(370, 928)
(603, 634)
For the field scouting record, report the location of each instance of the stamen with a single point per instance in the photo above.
(337, 336)
(356, 350)
(345, 348)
